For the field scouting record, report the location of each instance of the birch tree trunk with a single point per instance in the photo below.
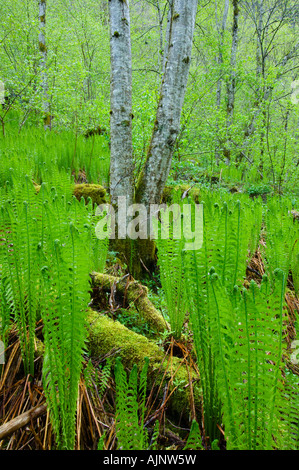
(153, 176)
(219, 61)
(139, 253)
(121, 165)
(231, 86)
(168, 34)
(43, 51)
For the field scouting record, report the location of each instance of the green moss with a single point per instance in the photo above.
(106, 335)
(42, 47)
(94, 191)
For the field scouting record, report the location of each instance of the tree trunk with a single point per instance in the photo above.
(140, 253)
(219, 61)
(231, 86)
(121, 166)
(43, 51)
(153, 176)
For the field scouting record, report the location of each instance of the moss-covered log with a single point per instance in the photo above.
(93, 191)
(105, 335)
(132, 292)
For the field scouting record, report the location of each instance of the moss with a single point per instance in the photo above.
(140, 184)
(94, 191)
(47, 119)
(42, 47)
(106, 335)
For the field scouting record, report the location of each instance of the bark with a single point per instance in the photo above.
(161, 42)
(121, 166)
(153, 176)
(168, 34)
(219, 61)
(43, 52)
(231, 86)
(259, 41)
(152, 179)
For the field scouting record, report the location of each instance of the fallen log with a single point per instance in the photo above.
(105, 334)
(132, 292)
(21, 420)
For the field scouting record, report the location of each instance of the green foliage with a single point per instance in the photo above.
(54, 157)
(194, 438)
(105, 376)
(130, 408)
(282, 238)
(171, 269)
(46, 255)
(239, 333)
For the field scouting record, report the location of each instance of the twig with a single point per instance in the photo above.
(21, 420)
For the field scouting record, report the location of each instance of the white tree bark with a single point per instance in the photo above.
(43, 51)
(231, 86)
(221, 28)
(219, 59)
(156, 169)
(168, 33)
(121, 166)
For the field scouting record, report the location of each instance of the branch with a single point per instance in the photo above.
(21, 421)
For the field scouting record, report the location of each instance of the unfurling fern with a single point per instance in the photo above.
(194, 438)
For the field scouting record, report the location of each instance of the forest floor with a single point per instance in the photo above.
(25, 423)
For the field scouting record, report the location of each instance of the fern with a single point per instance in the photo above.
(170, 247)
(130, 407)
(20, 255)
(194, 438)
